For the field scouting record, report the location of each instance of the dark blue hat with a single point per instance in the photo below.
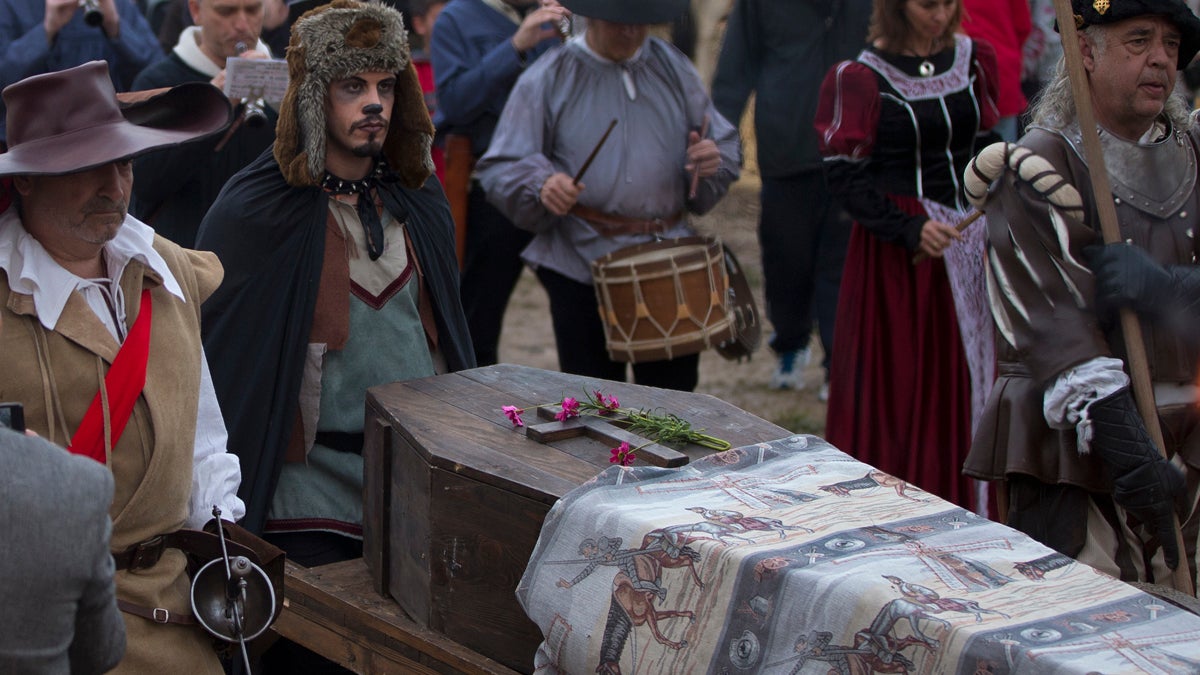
(628, 11)
(1100, 12)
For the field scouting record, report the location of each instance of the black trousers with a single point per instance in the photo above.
(803, 235)
(491, 267)
(579, 337)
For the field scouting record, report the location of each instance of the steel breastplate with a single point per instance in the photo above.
(1156, 178)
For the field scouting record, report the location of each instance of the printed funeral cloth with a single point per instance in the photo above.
(792, 557)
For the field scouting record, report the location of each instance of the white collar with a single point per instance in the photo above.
(1154, 134)
(31, 270)
(188, 50)
(581, 40)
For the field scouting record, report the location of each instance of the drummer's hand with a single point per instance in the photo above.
(702, 154)
(559, 193)
(936, 237)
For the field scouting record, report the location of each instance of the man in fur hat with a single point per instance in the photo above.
(1082, 474)
(101, 336)
(340, 275)
(670, 154)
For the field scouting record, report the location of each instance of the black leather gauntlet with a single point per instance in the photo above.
(1144, 483)
(1127, 276)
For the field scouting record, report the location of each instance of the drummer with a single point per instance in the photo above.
(669, 154)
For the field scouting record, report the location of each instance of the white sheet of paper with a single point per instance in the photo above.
(256, 78)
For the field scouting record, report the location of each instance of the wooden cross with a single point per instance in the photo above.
(601, 429)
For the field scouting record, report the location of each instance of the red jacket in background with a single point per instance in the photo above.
(1005, 24)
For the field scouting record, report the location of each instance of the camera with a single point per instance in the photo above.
(254, 113)
(91, 12)
(12, 415)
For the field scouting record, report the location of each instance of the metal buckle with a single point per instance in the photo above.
(147, 553)
(162, 615)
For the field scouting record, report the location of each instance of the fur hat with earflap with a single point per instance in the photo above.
(333, 42)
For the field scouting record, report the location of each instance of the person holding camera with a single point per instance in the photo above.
(173, 188)
(43, 36)
(101, 336)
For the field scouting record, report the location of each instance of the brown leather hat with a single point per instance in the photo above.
(71, 120)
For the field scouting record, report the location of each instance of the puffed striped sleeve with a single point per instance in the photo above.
(848, 112)
(847, 124)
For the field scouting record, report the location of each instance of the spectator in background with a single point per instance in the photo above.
(421, 16)
(56, 576)
(1041, 52)
(173, 188)
(1004, 24)
(781, 51)
(43, 36)
(174, 16)
(478, 50)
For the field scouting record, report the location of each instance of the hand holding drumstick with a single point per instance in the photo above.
(703, 157)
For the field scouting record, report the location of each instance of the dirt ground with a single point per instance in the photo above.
(528, 338)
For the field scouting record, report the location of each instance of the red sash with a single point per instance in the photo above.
(124, 383)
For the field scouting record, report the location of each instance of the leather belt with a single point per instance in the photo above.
(146, 554)
(612, 224)
(155, 614)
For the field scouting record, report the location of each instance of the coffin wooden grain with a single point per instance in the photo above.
(455, 497)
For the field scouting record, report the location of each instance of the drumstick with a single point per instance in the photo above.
(588, 162)
(696, 170)
(966, 222)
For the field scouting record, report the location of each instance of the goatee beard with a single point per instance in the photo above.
(368, 149)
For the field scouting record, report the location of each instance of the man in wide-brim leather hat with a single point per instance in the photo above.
(1081, 472)
(669, 154)
(101, 335)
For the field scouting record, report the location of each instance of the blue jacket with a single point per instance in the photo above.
(24, 50)
(475, 67)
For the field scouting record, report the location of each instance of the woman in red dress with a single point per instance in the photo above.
(897, 127)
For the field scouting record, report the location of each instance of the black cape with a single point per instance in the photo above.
(270, 237)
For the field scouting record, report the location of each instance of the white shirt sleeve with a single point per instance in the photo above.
(1068, 398)
(216, 473)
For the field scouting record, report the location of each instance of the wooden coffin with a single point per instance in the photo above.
(455, 497)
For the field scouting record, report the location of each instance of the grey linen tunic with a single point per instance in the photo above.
(555, 115)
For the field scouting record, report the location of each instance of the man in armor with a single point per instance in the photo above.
(1082, 474)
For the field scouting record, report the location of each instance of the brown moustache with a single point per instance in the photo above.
(372, 119)
(102, 205)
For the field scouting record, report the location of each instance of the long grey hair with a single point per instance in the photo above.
(1054, 107)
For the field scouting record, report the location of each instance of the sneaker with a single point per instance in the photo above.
(823, 395)
(789, 370)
